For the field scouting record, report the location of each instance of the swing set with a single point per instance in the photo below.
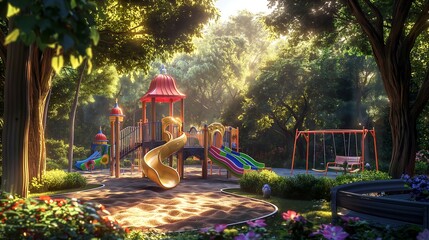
(349, 159)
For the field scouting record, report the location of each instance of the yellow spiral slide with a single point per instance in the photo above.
(163, 175)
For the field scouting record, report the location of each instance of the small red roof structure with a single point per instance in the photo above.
(116, 110)
(100, 137)
(163, 89)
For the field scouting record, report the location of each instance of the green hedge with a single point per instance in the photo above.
(302, 186)
(54, 180)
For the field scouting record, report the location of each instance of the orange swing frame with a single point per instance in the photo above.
(306, 134)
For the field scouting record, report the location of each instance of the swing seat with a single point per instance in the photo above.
(354, 164)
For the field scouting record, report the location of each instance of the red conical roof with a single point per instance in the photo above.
(100, 137)
(116, 110)
(163, 89)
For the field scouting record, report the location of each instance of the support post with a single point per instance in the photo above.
(206, 151)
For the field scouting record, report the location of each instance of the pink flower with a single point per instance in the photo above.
(331, 232)
(257, 223)
(290, 215)
(220, 227)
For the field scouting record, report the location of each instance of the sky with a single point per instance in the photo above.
(232, 7)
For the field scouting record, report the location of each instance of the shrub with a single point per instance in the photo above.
(369, 175)
(47, 218)
(249, 182)
(253, 181)
(421, 168)
(74, 180)
(302, 186)
(54, 180)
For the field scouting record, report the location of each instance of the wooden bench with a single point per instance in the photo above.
(354, 164)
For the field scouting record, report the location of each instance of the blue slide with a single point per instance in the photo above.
(93, 156)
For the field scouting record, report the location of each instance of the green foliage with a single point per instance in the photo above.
(67, 27)
(369, 175)
(295, 226)
(136, 33)
(302, 186)
(46, 218)
(74, 180)
(253, 181)
(421, 168)
(307, 187)
(57, 180)
(56, 153)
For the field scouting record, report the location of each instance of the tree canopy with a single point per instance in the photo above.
(394, 30)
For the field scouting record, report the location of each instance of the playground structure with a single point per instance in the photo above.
(349, 160)
(154, 141)
(100, 151)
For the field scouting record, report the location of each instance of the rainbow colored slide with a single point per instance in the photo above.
(163, 175)
(246, 159)
(232, 163)
(96, 157)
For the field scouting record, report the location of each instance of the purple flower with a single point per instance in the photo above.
(350, 219)
(257, 223)
(331, 232)
(248, 236)
(423, 235)
(205, 230)
(220, 227)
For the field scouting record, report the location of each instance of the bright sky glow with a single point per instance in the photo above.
(228, 8)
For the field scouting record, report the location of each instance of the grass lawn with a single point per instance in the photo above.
(88, 186)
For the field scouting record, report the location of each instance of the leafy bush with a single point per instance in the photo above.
(54, 179)
(56, 154)
(420, 168)
(47, 218)
(369, 175)
(253, 181)
(302, 186)
(74, 180)
(57, 180)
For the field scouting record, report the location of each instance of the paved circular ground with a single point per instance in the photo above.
(194, 204)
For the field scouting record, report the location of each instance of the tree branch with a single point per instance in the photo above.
(420, 25)
(400, 12)
(422, 96)
(375, 38)
(379, 17)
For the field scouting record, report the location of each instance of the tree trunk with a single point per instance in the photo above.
(16, 116)
(72, 117)
(40, 84)
(403, 127)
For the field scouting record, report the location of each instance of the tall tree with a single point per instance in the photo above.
(68, 27)
(38, 39)
(395, 31)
